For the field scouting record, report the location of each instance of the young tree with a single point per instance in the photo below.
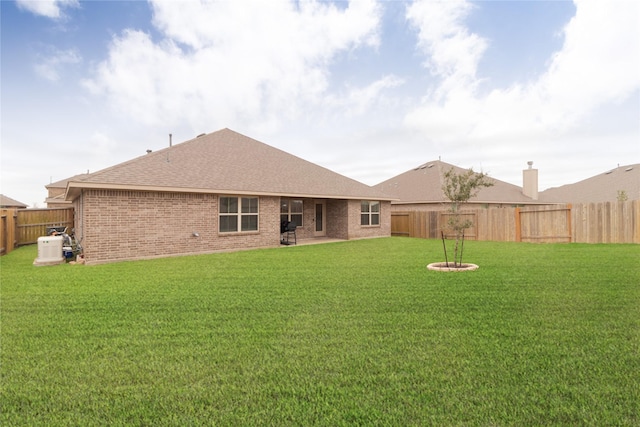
(459, 189)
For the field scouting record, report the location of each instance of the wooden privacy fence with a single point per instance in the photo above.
(609, 222)
(488, 224)
(33, 223)
(24, 226)
(544, 224)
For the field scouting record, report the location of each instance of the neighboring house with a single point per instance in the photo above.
(219, 191)
(520, 213)
(619, 184)
(9, 203)
(56, 192)
(420, 189)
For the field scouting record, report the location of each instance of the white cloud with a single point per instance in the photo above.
(357, 101)
(224, 63)
(49, 8)
(49, 66)
(452, 51)
(598, 64)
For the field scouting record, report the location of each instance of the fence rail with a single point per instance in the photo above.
(609, 222)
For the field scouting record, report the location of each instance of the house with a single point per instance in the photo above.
(56, 192)
(506, 212)
(420, 189)
(618, 184)
(9, 203)
(218, 191)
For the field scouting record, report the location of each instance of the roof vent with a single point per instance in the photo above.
(608, 172)
(628, 169)
(149, 151)
(424, 166)
(202, 134)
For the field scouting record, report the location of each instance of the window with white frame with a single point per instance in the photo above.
(369, 213)
(238, 214)
(291, 211)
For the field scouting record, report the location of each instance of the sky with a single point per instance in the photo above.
(369, 89)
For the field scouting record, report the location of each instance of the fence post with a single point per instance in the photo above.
(518, 226)
(4, 228)
(8, 230)
(14, 241)
(570, 229)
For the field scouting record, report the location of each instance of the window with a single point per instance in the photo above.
(369, 213)
(238, 211)
(291, 210)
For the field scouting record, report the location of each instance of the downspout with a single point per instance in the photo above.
(81, 206)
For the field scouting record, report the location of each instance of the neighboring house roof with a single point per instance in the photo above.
(600, 188)
(225, 162)
(8, 202)
(63, 182)
(424, 185)
(56, 189)
(60, 198)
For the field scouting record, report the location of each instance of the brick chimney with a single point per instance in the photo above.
(530, 181)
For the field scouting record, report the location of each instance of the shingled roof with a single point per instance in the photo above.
(225, 162)
(63, 182)
(8, 202)
(423, 184)
(603, 187)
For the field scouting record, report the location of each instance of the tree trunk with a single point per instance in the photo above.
(455, 250)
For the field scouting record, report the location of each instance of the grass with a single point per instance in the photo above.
(351, 333)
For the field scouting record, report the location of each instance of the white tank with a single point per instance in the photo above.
(49, 251)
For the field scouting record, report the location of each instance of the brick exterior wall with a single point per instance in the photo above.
(337, 219)
(308, 217)
(125, 225)
(336, 223)
(343, 220)
(357, 231)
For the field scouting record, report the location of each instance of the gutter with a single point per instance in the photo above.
(74, 190)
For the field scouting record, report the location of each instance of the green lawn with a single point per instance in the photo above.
(351, 333)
